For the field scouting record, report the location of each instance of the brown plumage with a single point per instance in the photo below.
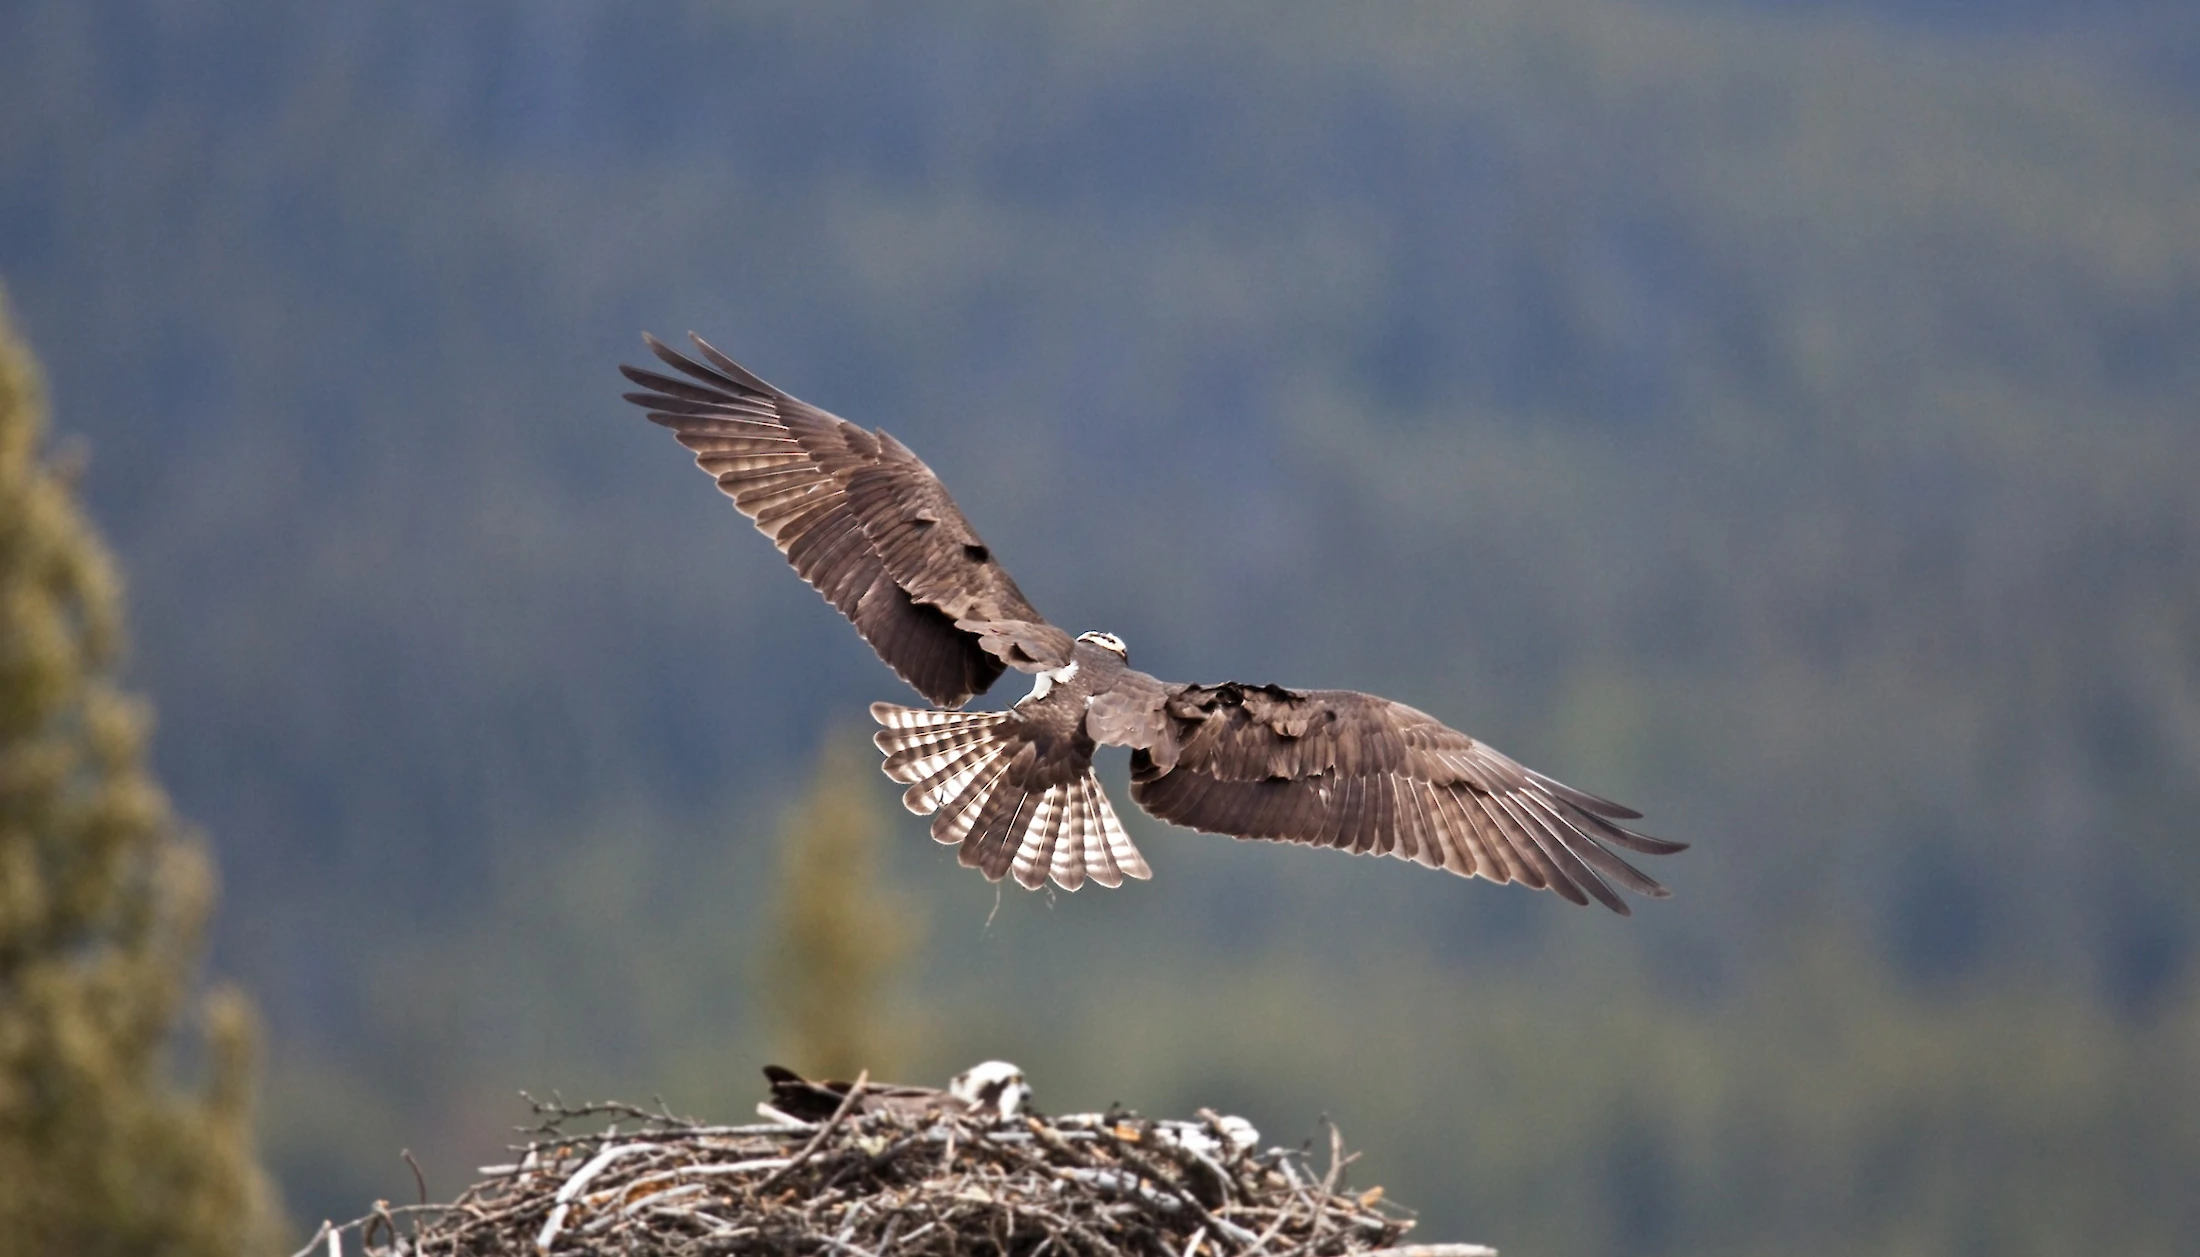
(1337, 768)
(994, 1089)
(859, 516)
(868, 524)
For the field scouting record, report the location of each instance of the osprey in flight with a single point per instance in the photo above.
(863, 520)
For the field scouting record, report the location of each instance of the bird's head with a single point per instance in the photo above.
(1106, 641)
(994, 1087)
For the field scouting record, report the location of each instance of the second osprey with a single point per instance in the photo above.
(863, 520)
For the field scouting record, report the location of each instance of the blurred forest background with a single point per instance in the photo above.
(1782, 417)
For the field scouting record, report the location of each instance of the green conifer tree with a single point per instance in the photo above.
(840, 938)
(103, 900)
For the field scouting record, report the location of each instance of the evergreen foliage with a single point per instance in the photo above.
(1795, 416)
(839, 938)
(103, 901)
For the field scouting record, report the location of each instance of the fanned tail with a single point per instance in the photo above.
(1009, 809)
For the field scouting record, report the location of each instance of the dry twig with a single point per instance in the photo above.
(870, 1184)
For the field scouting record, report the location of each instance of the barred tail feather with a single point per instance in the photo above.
(1042, 833)
(1065, 852)
(950, 773)
(1107, 846)
(908, 726)
(976, 774)
(1086, 841)
(937, 754)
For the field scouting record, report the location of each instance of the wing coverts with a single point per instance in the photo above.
(860, 517)
(1338, 768)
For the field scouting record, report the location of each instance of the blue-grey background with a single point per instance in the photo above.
(1783, 417)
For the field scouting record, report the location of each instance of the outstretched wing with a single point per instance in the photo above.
(1337, 768)
(860, 518)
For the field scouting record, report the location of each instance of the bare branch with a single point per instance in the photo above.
(929, 1183)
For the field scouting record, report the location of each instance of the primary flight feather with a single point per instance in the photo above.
(865, 522)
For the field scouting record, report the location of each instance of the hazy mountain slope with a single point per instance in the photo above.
(1782, 423)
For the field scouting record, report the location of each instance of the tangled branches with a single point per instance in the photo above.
(869, 1184)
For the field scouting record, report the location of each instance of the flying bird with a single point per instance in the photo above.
(865, 522)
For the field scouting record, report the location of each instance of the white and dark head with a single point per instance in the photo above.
(1106, 641)
(994, 1087)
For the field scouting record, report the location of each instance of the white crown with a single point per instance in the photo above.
(1106, 641)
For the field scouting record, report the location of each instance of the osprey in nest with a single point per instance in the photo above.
(863, 520)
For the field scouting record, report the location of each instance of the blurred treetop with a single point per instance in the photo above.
(838, 938)
(103, 906)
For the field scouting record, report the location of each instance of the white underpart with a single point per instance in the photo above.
(970, 1085)
(1238, 1134)
(1047, 681)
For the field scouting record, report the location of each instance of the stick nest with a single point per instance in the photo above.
(869, 1184)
